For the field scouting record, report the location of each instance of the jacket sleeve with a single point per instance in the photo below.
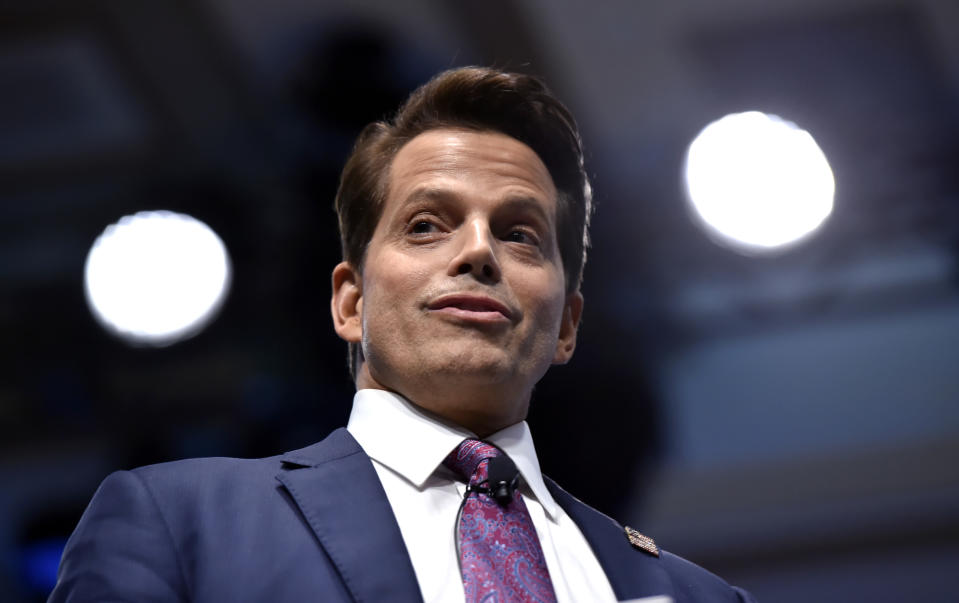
(122, 549)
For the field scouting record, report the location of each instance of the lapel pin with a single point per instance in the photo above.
(642, 542)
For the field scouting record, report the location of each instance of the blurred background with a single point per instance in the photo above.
(790, 420)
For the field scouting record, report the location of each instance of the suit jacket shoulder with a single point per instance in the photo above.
(285, 528)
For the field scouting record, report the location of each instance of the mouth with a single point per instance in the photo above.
(471, 308)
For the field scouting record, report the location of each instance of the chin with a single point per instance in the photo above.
(477, 366)
(486, 372)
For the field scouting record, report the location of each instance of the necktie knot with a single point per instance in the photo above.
(467, 460)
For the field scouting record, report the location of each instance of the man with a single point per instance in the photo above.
(463, 224)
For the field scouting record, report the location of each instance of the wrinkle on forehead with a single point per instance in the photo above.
(466, 155)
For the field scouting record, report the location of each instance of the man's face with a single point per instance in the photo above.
(461, 304)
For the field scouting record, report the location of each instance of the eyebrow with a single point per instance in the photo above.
(524, 203)
(429, 193)
(518, 202)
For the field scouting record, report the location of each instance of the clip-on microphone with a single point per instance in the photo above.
(502, 479)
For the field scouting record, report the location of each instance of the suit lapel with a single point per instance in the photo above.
(337, 490)
(632, 573)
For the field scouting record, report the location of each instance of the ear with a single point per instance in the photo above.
(572, 312)
(347, 303)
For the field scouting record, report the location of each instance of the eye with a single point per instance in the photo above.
(422, 227)
(521, 236)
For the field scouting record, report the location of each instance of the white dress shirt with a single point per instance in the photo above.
(408, 447)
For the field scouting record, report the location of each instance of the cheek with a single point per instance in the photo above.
(380, 326)
(387, 296)
(551, 325)
(549, 315)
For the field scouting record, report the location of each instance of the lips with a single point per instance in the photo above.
(471, 307)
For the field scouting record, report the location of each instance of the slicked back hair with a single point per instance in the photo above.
(483, 100)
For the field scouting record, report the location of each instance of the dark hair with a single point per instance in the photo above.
(481, 99)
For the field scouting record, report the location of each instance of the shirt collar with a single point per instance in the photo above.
(517, 441)
(413, 444)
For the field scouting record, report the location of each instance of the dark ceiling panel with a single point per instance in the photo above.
(63, 97)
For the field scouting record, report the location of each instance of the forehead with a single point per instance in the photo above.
(480, 162)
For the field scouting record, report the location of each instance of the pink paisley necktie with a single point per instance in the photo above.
(500, 556)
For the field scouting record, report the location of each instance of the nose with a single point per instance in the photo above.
(477, 253)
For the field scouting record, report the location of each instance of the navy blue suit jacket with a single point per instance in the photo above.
(310, 525)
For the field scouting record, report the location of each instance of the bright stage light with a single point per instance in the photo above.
(156, 277)
(758, 182)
